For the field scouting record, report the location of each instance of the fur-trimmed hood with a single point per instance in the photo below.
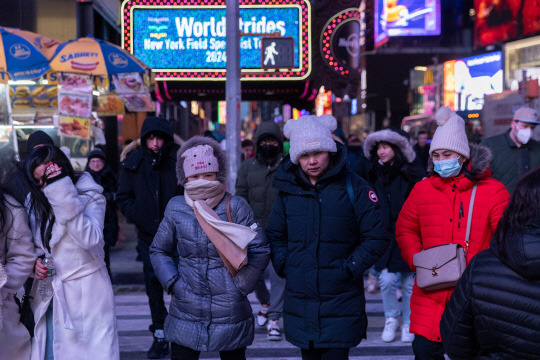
(479, 161)
(196, 141)
(391, 137)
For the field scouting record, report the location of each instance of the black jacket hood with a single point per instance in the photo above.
(156, 124)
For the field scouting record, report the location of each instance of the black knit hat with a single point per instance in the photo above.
(96, 153)
(38, 138)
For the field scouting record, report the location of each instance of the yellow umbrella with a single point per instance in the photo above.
(45, 44)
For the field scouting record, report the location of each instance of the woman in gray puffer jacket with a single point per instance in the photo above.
(222, 253)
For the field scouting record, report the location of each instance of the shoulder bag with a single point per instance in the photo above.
(441, 266)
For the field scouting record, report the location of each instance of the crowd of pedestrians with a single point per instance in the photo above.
(300, 215)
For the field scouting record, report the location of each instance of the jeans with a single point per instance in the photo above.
(388, 282)
(325, 354)
(425, 349)
(154, 290)
(49, 342)
(179, 352)
(275, 296)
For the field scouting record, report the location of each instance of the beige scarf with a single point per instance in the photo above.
(230, 239)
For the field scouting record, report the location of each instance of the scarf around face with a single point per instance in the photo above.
(230, 239)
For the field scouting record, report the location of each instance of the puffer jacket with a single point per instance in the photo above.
(209, 309)
(322, 243)
(255, 176)
(494, 312)
(435, 213)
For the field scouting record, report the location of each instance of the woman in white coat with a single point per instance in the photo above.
(66, 217)
(17, 259)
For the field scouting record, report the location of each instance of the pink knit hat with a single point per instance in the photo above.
(200, 159)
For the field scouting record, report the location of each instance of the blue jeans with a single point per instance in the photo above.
(276, 295)
(388, 282)
(49, 352)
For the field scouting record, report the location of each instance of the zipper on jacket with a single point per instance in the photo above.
(460, 214)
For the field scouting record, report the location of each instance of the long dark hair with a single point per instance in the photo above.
(396, 163)
(39, 205)
(522, 210)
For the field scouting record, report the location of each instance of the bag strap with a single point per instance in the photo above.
(229, 209)
(469, 218)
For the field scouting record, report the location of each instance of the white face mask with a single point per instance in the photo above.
(524, 135)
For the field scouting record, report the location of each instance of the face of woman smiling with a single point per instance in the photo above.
(385, 152)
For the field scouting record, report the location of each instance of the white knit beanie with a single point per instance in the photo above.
(450, 134)
(200, 159)
(310, 133)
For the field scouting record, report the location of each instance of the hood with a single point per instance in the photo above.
(390, 137)
(480, 158)
(265, 129)
(522, 252)
(196, 141)
(156, 124)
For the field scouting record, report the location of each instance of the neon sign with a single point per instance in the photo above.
(185, 39)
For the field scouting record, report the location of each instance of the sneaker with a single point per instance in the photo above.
(273, 330)
(389, 331)
(406, 336)
(159, 348)
(262, 316)
(372, 284)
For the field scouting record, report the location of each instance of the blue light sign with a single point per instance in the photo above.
(193, 38)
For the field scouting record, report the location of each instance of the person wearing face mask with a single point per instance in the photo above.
(436, 213)
(515, 152)
(254, 183)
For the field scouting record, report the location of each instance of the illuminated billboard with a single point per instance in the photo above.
(504, 20)
(468, 80)
(186, 39)
(406, 18)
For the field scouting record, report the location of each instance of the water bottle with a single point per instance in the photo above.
(45, 285)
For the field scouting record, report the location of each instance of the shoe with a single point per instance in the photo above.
(262, 316)
(273, 330)
(389, 331)
(372, 284)
(159, 348)
(406, 336)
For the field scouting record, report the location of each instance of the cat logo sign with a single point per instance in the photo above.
(277, 52)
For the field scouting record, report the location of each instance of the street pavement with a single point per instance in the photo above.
(133, 317)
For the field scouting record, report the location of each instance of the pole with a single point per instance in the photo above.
(85, 18)
(232, 93)
(13, 131)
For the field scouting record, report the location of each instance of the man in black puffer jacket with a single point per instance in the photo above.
(494, 312)
(147, 183)
(325, 230)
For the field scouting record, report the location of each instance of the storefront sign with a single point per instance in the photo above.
(188, 41)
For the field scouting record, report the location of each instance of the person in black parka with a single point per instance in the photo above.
(104, 176)
(393, 173)
(494, 311)
(147, 183)
(323, 238)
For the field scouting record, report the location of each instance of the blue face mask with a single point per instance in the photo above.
(447, 168)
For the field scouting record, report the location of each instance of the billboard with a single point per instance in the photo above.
(187, 41)
(504, 20)
(406, 18)
(468, 80)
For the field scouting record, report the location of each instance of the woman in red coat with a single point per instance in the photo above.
(435, 213)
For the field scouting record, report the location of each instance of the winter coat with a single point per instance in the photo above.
(494, 312)
(506, 164)
(83, 301)
(146, 185)
(209, 309)
(392, 183)
(435, 213)
(107, 179)
(322, 243)
(255, 176)
(17, 257)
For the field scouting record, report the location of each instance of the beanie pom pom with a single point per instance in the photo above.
(289, 128)
(329, 121)
(443, 115)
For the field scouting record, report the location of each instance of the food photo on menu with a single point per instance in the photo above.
(75, 82)
(37, 96)
(110, 105)
(128, 83)
(75, 104)
(138, 102)
(74, 126)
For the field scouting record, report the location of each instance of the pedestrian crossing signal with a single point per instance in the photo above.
(277, 52)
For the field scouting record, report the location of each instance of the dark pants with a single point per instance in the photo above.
(154, 290)
(425, 349)
(325, 354)
(179, 352)
(107, 258)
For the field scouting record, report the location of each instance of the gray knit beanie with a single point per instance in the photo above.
(310, 133)
(450, 134)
